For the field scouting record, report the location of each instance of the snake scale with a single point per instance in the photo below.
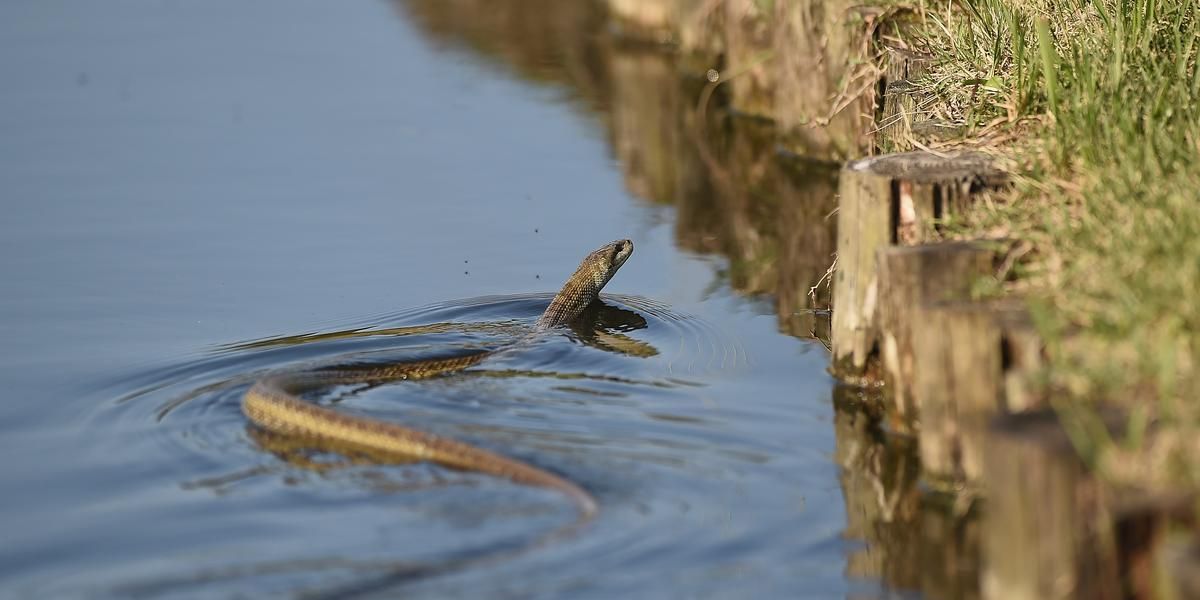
(274, 402)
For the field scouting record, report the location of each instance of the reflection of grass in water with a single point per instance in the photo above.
(1097, 101)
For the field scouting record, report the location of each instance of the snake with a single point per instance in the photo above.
(275, 403)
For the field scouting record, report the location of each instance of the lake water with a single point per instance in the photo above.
(197, 193)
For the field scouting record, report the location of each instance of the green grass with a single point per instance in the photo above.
(1098, 104)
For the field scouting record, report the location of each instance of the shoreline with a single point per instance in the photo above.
(1042, 319)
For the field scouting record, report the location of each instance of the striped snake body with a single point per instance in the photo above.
(274, 404)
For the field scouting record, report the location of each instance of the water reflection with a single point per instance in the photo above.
(735, 193)
(561, 373)
(768, 213)
(913, 540)
(361, 172)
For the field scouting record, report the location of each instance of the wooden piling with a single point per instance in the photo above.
(909, 278)
(1180, 569)
(900, 106)
(1046, 533)
(1055, 530)
(864, 226)
(1142, 523)
(894, 199)
(958, 381)
(1022, 355)
(970, 362)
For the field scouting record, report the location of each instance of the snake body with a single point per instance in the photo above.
(274, 402)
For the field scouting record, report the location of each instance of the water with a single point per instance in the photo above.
(197, 193)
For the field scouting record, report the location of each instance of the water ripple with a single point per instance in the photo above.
(564, 401)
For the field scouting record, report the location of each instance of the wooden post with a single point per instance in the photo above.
(1022, 357)
(864, 226)
(905, 64)
(887, 200)
(958, 383)
(900, 105)
(1046, 532)
(1180, 565)
(909, 278)
(1141, 523)
(970, 361)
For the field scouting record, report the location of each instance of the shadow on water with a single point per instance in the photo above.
(767, 212)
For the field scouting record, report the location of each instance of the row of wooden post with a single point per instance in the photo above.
(957, 370)
(956, 373)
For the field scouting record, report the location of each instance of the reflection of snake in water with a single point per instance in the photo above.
(273, 404)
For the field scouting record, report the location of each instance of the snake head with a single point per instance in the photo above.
(583, 287)
(605, 260)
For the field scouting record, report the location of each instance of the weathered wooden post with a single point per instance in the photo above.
(889, 200)
(1180, 563)
(1054, 529)
(900, 104)
(970, 361)
(1047, 535)
(864, 226)
(1022, 356)
(909, 278)
(1142, 522)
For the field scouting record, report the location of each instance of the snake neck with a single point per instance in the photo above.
(583, 287)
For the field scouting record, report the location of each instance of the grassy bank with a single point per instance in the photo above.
(1098, 107)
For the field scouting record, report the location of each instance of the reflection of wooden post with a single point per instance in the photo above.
(885, 200)
(646, 19)
(1045, 531)
(748, 54)
(823, 100)
(701, 30)
(644, 133)
(910, 277)
(950, 548)
(879, 476)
